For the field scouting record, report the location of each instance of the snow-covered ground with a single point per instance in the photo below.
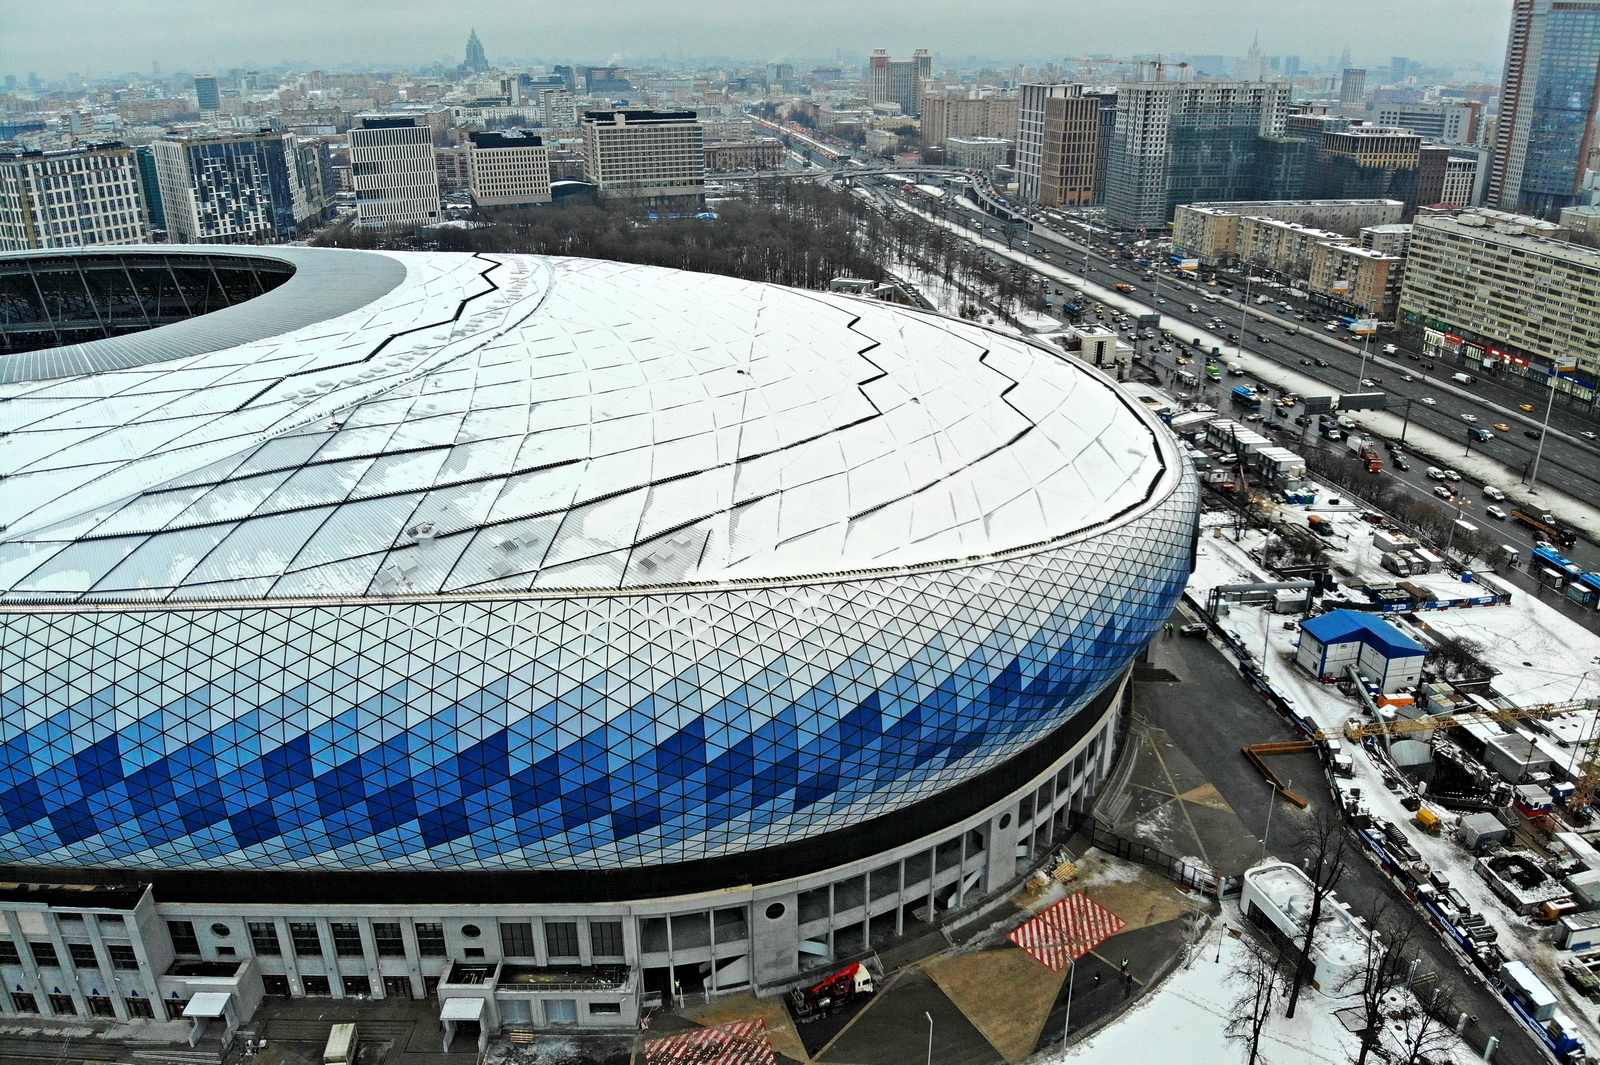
(1184, 1020)
(1541, 655)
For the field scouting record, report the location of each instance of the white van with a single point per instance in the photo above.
(1390, 349)
(1493, 493)
(1211, 297)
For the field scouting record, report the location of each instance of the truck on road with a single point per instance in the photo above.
(1246, 396)
(844, 986)
(1123, 286)
(1552, 532)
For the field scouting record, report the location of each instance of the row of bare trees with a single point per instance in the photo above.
(1386, 494)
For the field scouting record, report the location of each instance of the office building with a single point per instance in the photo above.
(1058, 145)
(1466, 175)
(985, 154)
(576, 618)
(150, 187)
(1478, 289)
(476, 62)
(508, 170)
(754, 153)
(395, 173)
(899, 81)
(75, 198)
(1189, 142)
(231, 188)
(950, 113)
(607, 81)
(657, 157)
(1442, 123)
(1353, 87)
(1210, 232)
(1547, 106)
(208, 97)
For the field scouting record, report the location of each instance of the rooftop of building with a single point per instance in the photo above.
(1343, 626)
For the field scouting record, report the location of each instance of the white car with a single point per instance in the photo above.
(1451, 475)
(1469, 418)
(1407, 377)
(1427, 400)
(1587, 435)
(1495, 512)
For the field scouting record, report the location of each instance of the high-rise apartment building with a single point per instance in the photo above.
(655, 156)
(393, 169)
(558, 109)
(476, 62)
(1454, 122)
(71, 199)
(207, 96)
(1353, 86)
(508, 170)
(1058, 145)
(1365, 162)
(231, 188)
(899, 81)
(1188, 142)
(1478, 288)
(1547, 105)
(950, 113)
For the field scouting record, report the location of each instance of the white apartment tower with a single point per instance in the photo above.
(656, 156)
(508, 170)
(71, 199)
(394, 171)
(231, 188)
(558, 109)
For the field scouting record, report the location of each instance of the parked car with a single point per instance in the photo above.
(1192, 629)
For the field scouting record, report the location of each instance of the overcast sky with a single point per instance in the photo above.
(109, 36)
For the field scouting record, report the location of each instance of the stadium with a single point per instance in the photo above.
(549, 634)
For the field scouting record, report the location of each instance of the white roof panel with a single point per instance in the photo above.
(584, 425)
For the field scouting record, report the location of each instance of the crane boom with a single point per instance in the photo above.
(1356, 731)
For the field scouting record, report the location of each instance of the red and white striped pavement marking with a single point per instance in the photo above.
(1067, 931)
(736, 1043)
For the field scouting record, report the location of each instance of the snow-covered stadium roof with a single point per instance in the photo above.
(514, 423)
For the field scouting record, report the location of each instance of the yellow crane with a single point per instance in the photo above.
(1356, 731)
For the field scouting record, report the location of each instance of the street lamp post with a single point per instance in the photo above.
(1066, 1024)
(1272, 794)
(1533, 479)
(1244, 310)
(1405, 424)
(928, 1015)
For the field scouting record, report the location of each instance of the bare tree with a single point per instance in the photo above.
(1383, 970)
(1255, 971)
(1426, 1035)
(1323, 849)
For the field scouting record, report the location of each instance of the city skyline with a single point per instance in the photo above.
(196, 36)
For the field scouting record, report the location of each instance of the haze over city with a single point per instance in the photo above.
(190, 35)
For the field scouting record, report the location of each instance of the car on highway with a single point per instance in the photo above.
(1526, 407)
(1401, 462)
(1323, 363)
(1332, 327)
(1451, 475)
(1427, 401)
(1263, 338)
(1587, 435)
(1532, 434)
(1367, 382)
(1444, 491)
(1495, 512)
(1468, 418)
(1407, 377)
(1436, 474)
(1502, 427)
(1305, 362)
